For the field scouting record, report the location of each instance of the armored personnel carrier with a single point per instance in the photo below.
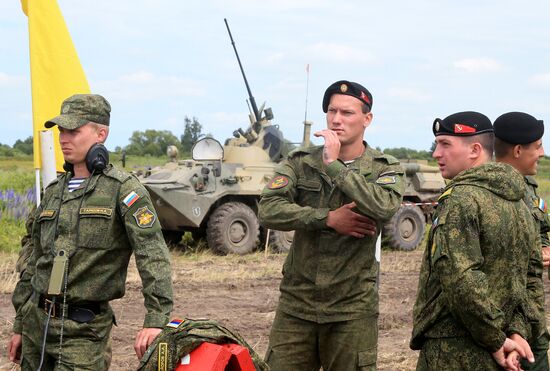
(423, 186)
(215, 194)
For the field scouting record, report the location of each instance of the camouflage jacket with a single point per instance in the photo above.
(480, 261)
(99, 225)
(181, 337)
(538, 208)
(329, 277)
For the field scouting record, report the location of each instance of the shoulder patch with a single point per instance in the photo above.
(130, 199)
(445, 194)
(144, 217)
(386, 179)
(277, 182)
(542, 205)
(175, 323)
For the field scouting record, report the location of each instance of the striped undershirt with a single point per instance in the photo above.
(75, 183)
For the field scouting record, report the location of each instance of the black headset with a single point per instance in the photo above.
(97, 159)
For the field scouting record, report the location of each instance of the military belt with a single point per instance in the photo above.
(81, 312)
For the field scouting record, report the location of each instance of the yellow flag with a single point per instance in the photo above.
(56, 72)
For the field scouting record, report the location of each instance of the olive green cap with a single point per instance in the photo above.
(80, 109)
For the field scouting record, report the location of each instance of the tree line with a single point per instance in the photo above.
(155, 143)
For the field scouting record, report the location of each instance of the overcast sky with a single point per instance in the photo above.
(159, 61)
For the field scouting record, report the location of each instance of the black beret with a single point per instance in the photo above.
(463, 124)
(518, 128)
(347, 88)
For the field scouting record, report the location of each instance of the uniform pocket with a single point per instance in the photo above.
(366, 360)
(95, 228)
(309, 192)
(47, 222)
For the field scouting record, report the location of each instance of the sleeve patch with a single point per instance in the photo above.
(542, 205)
(387, 179)
(277, 182)
(144, 217)
(130, 199)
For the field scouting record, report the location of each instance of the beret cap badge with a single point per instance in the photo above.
(343, 88)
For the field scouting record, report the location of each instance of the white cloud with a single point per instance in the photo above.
(540, 80)
(143, 86)
(338, 53)
(409, 95)
(475, 65)
(11, 81)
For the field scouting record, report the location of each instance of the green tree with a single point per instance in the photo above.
(151, 142)
(191, 133)
(407, 153)
(24, 146)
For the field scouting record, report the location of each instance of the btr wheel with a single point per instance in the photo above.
(405, 230)
(233, 228)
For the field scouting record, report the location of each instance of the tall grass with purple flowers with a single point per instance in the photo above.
(17, 197)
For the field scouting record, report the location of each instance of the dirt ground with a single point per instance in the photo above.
(242, 293)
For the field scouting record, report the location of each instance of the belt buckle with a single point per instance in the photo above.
(49, 304)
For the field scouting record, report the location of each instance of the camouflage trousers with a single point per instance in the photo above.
(458, 353)
(86, 346)
(297, 344)
(540, 351)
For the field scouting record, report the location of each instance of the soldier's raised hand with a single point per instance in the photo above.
(347, 222)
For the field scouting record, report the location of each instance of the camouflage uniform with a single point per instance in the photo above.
(538, 208)
(328, 291)
(99, 231)
(481, 255)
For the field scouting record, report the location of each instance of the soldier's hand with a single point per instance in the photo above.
(14, 348)
(331, 150)
(509, 346)
(523, 344)
(513, 361)
(347, 222)
(546, 256)
(144, 338)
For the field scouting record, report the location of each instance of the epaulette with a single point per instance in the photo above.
(445, 194)
(117, 174)
(387, 158)
(531, 181)
(56, 180)
(303, 151)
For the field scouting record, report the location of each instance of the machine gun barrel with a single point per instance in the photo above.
(252, 101)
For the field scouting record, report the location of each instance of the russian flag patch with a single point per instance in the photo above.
(174, 323)
(130, 199)
(542, 205)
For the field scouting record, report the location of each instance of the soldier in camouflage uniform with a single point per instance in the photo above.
(90, 221)
(336, 197)
(481, 256)
(518, 142)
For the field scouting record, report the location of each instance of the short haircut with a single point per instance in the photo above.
(502, 148)
(365, 108)
(100, 126)
(485, 139)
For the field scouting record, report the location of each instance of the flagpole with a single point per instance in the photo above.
(307, 91)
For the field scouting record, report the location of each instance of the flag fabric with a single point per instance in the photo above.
(56, 72)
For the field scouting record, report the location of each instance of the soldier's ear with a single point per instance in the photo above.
(517, 150)
(476, 149)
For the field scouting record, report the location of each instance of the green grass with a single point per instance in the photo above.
(11, 232)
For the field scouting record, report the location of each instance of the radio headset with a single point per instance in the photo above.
(97, 159)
